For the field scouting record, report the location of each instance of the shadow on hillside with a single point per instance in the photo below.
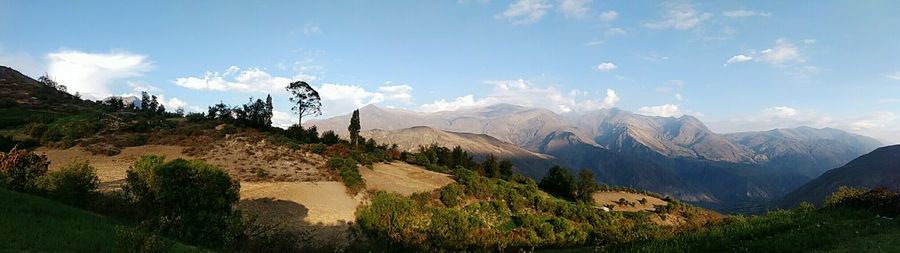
(290, 216)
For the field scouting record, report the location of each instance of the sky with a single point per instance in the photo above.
(736, 65)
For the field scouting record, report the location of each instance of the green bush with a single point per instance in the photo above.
(842, 194)
(451, 195)
(73, 184)
(190, 200)
(20, 169)
(348, 170)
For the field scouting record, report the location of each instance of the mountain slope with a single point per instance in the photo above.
(806, 150)
(526, 162)
(875, 169)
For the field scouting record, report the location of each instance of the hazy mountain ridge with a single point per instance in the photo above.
(807, 150)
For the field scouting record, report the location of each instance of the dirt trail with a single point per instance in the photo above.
(610, 198)
(403, 178)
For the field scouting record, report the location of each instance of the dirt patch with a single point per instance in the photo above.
(110, 169)
(322, 209)
(259, 160)
(614, 197)
(403, 178)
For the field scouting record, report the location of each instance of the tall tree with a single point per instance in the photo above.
(306, 99)
(354, 128)
(269, 108)
(586, 186)
(558, 182)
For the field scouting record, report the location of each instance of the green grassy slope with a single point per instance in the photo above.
(824, 230)
(33, 224)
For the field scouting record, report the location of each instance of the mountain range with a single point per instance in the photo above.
(678, 156)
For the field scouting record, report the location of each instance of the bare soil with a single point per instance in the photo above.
(403, 178)
(611, 197)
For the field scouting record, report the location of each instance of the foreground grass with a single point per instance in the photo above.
(834, 230)
(33, 224)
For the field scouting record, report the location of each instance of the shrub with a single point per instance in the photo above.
(20, 169)
(190, 200)
(73, 184)
(330, 138)
(843, 193)
(451, 195)
(318, 148)
(348, 170)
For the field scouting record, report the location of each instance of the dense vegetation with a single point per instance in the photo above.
(481, 213)
(853, 220)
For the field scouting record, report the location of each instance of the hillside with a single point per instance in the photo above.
(824, 230)
(480, 145)
(875, 169)
(36, 224)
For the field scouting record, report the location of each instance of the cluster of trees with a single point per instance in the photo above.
(49, 82)
(149, 105)
(558, 181)
(255, 113)
(442, 159)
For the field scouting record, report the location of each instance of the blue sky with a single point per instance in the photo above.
(737, 65)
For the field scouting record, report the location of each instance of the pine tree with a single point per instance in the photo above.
(269, 110)
(354, 128)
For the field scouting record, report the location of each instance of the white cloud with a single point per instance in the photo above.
(679, 97)
(738, 58)
(606, 66)
(399, 93)
(311, 28)
(784, 55)
(783, 52)
(745, 14)
(521, 92)
(609, 16)
(615, 31)
(342, 98)
(235, 79)
(90, 74)
(780, 112)
(680, 16)
(467, 101)
(139, 87)
(574, 8)
(893, 76)
(666, 110)
(594, 43)
(523, 12)
(283, 119)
